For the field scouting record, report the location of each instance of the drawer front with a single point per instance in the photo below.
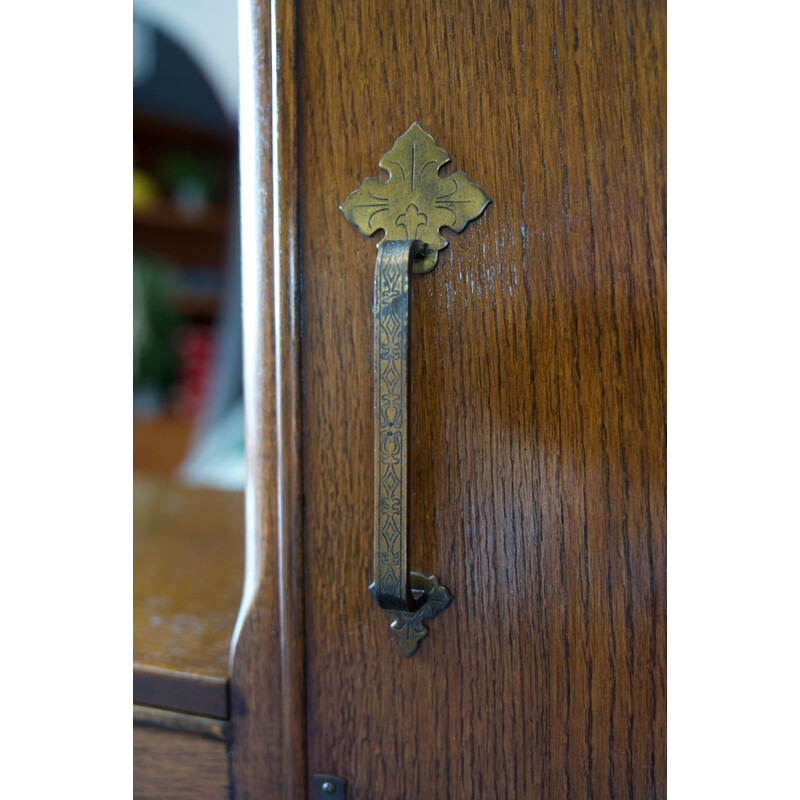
(174, 765)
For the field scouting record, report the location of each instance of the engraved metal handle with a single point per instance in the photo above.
(411, 207)
(410, 596)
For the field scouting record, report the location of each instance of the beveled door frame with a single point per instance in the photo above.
(267, 665)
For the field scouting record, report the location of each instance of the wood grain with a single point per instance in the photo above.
(211, 728)
(171, 765)
(188, 570)
(268, 664)
(538, 401)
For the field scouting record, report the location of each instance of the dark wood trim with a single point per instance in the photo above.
(180, 765)
(217, 729)
(180, 691)
(287, 350)
(268, 660)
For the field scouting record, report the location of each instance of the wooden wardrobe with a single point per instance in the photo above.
(537, 422)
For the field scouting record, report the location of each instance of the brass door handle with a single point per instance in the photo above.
(410, 596)
(411, 207)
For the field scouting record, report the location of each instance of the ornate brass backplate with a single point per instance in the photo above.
(416, 201)
(410, 207)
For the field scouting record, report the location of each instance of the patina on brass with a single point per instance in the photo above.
(416, 201)
(410, 207)
(410, 597)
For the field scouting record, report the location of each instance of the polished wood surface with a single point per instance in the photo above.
(173, 765)
(267, 677)
(538, 401)
(188, 549)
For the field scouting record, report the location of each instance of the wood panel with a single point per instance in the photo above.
(172, 765)
(538, 400)
(188, 550)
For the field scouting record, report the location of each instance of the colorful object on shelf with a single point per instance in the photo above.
(196, 353)
(193, 180)
(145, 191)
(155, 360)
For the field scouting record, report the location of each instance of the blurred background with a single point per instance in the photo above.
(188, 425)
(187, 356)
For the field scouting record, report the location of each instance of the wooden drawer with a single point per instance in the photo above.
(187, 760)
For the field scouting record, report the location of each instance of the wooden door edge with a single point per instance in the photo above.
(267, 665)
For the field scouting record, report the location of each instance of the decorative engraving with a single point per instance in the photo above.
(408, 626)
(410, 207)
(416, 201)
(391, 409)
(409, 598)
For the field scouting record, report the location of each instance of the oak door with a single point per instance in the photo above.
(538, 443)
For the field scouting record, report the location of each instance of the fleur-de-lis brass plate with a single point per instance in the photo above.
(410, 207)
(416, 201)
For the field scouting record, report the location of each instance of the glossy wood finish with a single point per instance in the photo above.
(538, 401)
(179, 765)
(267, 663)
(188, 569)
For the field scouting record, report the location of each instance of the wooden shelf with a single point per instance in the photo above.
(198, 308)
(186, 240)
(168, 217)
(188, 555)
(148, 128)
(167, 230)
